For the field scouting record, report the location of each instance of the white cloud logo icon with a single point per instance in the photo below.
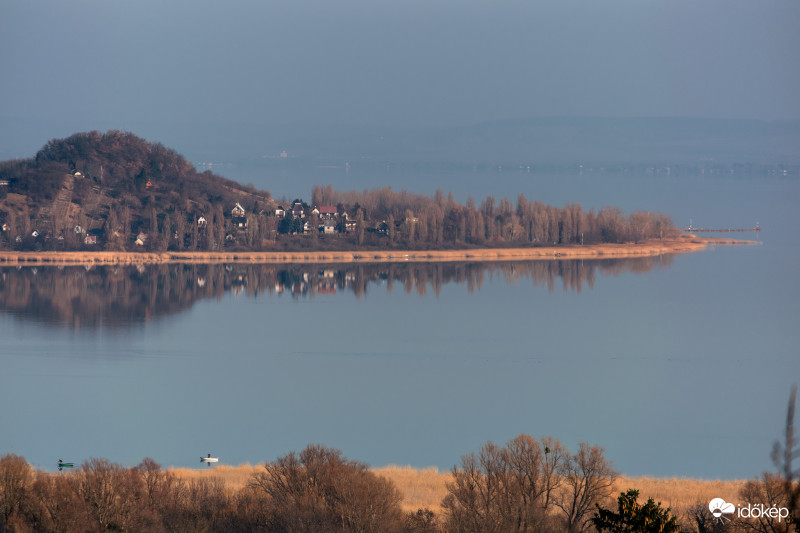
(719, 507)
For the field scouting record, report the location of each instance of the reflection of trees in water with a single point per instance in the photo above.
(120, 296)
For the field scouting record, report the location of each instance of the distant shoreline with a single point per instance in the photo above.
(682, 244)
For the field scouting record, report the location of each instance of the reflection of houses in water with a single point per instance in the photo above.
(125, 295)
(327, 281)
(238, 283)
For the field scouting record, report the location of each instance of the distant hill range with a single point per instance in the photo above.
(542, 142)
(677, 146)
(627, 140)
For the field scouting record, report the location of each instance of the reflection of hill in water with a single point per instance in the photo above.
(123, 296)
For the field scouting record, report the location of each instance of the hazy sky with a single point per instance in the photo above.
(88, 64)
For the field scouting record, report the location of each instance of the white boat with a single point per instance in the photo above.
(208, 459)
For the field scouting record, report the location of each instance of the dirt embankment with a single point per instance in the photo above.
(683, 244)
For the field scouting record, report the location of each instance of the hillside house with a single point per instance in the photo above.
(238, 217)
(280, 211)
(201, 221)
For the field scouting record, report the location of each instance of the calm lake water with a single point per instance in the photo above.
(677, 366)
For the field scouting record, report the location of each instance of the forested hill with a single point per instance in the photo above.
(115, 191)
(92, 181)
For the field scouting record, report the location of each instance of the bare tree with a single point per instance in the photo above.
(321, 490)
(703, 521)
(783, 455)
(57, 507)
(768, 491)
(508, 488)
(588, 478)
(113, 494)
(16, 476)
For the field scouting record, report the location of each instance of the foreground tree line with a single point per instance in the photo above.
(528, 485)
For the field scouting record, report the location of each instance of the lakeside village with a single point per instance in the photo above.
(298, 218)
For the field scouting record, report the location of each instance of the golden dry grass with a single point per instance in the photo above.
(680, 493)
(686, 243)
(235, 477)
(420, 487)
(426, 487)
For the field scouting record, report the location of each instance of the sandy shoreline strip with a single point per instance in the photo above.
(597, 251)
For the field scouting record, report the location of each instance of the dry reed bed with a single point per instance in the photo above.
(657, 247)
(426, 487)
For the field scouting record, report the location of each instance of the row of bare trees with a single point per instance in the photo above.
(317, 490)
(415, 219)
(104, 496)
(528, 485)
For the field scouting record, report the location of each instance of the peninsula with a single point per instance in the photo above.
(114, 198)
